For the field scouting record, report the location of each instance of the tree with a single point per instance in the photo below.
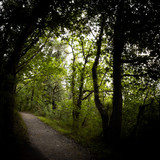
(139, 19)
(22, 23)
(15, 34)
(102, 110)
(127, 22)
(81, 50)
(40, 80)
(118, 45)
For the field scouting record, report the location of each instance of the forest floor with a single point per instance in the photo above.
(50, 143)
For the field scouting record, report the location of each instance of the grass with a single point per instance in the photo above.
(20, 129)
(127, 149)
(57, 125)
(93, 142)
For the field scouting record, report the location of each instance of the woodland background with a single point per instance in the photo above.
(89, 68)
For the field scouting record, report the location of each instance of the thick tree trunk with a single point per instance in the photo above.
(118, 43)
(116, 118)
(8, 73)
(8, 85)
(7, 104)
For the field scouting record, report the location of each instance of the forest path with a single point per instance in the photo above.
(50, 143)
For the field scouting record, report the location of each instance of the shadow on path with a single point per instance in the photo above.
(51, 143)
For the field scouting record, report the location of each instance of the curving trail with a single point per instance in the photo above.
(50, 143)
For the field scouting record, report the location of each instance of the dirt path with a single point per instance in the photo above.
(50, 143)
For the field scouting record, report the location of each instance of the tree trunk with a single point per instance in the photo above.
(116, 118)
(8, 86)
(75, 112)
(118, 43)
(8, 73)
(77, 99)
(139, 119)
(98, 103)
(140, 116)
(7, 103)
(32, 98)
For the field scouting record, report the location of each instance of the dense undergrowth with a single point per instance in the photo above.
(143, 144)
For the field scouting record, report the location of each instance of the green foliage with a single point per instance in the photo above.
(40, 81)
(64, 111)
(141, 107)
(53, 88)
(57, 125)
(89, 136)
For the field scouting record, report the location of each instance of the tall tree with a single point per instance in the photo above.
(127, 22)
(102, 110)
(15, 33)
(118, 45)
(22, 23)
(81, 50)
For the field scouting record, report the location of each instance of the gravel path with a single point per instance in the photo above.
(52, 144)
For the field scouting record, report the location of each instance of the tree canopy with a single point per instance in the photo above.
(93, 65)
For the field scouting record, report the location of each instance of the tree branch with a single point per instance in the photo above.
(33, 56)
